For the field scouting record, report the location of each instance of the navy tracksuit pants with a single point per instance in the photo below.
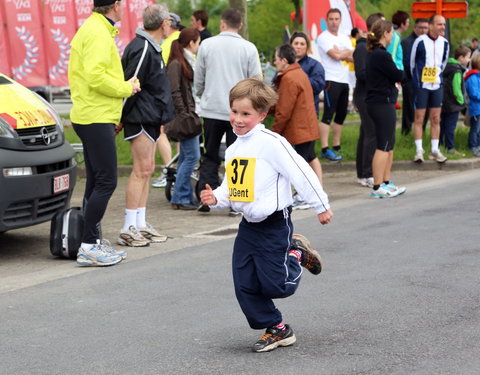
(263, 270)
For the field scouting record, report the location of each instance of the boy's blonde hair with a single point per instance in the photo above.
(476, 62)
(260, 94)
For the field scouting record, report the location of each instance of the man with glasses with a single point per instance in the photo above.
(98, 87)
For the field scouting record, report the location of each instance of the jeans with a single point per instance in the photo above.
(474, 134)
(448, 123)
(189, 156)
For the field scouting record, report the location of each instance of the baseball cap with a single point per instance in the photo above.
(176, 20)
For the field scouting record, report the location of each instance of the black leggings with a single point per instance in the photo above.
(100, 157)
(385, 119)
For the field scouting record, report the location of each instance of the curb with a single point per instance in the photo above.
(349, 166)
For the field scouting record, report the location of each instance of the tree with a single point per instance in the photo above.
(241, 5)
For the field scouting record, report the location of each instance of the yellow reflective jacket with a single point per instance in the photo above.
(95, 74)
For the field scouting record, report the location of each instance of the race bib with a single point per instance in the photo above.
(240, 179)
(429, 74)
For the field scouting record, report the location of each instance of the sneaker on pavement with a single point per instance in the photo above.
(384, 192)
(331, 155)
(437, 156)
(311, 259)
(203, 208)
(151, 234)
(399, 189)
(419, 157)
(273, 338)
(132, 237)
(233, 213)
(299, 203)
(97, 257)
(160, 182)
(367, 182)
(106, 246)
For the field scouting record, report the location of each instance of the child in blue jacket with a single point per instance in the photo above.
(472, 85)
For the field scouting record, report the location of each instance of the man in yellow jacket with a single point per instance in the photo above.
(98, 86)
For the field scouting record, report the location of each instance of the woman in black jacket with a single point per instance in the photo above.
(382, 75)
(186, 126)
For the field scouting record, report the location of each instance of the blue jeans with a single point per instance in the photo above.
(474, 134)
(189, 156)
(448, 123)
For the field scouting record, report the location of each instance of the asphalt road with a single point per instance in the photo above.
(399, 295)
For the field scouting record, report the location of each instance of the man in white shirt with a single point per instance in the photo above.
(335, 51)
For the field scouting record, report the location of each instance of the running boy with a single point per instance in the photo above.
(260, 166)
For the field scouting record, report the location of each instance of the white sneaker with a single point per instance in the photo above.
(399, 189)
(151, 234)
(106, 246)
(437, 156)
(367, 182)
(132, 237)
(160, 182)
(97, 257)
(298, 203)
(384, 192)
(419, 156)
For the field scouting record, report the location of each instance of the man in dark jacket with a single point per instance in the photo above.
(420, 28)
(141, 119)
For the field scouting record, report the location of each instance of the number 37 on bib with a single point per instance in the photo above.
(241, 179)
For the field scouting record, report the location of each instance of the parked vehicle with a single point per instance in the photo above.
(37, 166)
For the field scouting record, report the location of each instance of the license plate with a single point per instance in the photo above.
(61, 183)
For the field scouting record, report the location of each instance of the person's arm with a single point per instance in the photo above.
(388, 67)
(174, 72)
(287, 98)
(473, 88)
(317, 77)
(96, 67)
(457, 88)
(254, 67)
(340, 54)
(360, 59)
(200, 71)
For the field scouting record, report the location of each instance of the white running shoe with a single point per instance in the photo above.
(151, 234)
(367, 182)
(132, 237)
(437, 156)
(399, 189)
(97, 257)
(383, 192)
(419, 157)
(160, 182)
(106, 246)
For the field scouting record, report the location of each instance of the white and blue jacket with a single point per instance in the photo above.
(428, 52)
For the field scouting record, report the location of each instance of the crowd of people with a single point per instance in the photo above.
(177, 83)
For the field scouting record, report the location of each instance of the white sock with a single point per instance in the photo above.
(435, 145)
(130, 219)
(141, 223)
(87, 246)
(418, 144)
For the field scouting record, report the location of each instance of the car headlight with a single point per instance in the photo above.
(6, 130)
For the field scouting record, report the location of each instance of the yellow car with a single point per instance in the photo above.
(37, 167)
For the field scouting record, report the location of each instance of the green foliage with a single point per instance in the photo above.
(184, 10)
(266, 23)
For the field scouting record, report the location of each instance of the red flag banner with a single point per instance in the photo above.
(135, 9)
(5, 67)
(26, 42)
(59, 31)
(83, 10)
(125, 35)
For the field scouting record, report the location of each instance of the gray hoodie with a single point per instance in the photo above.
(223, 61)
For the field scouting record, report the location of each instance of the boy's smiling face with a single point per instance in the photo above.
(243, 117)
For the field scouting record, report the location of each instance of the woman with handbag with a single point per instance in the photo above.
(186, 126)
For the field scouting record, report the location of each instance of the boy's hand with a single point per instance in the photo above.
(207, 197)
(325, 217)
